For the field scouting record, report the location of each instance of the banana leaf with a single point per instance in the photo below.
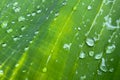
(59, 40)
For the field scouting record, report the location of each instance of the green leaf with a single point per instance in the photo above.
(59, 40)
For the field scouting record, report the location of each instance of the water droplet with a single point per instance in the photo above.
(90, 42)
(44, 69)
(26, 48)
(112, 59)
(99, 72)
(83, 77)
(89, 7)
(79, 28)
(56, 14)
(43, 1)
(108, 23)
(4, 45)
(24, 71)
(111, 70)
(4, 24)
(82, 55)
(39, 11)
(21, 18)
(9, 30)
(91, 53)
(15, 39)
(31, 42)
(15, 3)
(103, 65)
(38, 6)
(16, 9)
(64, 3)
(16, 65)
(33, 14)
(67, 46)
(23, 28)
(110, 49)
(76, 72)
(36, 32)
(75, 8)
(28, 15)
(1, 72)
(98, 56)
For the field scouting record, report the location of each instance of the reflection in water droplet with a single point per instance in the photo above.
(90, 42)
(44, 69)
(110, 48)
(82, 55)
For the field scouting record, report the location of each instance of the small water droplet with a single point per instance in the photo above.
(82, 55)
(9, 30)
(56, 14)
(4, 24)
(15, 39)
(39, 11)
(110, 49)
(26, 48)
(103, 65)
(28, 15)
(98, 56)
(13, 22)
(36, 32)
(24, 71)
(112, 59)
(4, 45)
(44, 69)
(21, 18)
(23, 28)
(83, 77)
(31, 42)
(67, 46)
(64, 3)
(33, 14)
(16, 9)
(91, 53)
(89, 7)
(1, 73)
(99, 72)
(75, 8)
(16, 65)
(43, 1)
(111, 70)
(15, 3)
(90, 42)
(79, 28)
